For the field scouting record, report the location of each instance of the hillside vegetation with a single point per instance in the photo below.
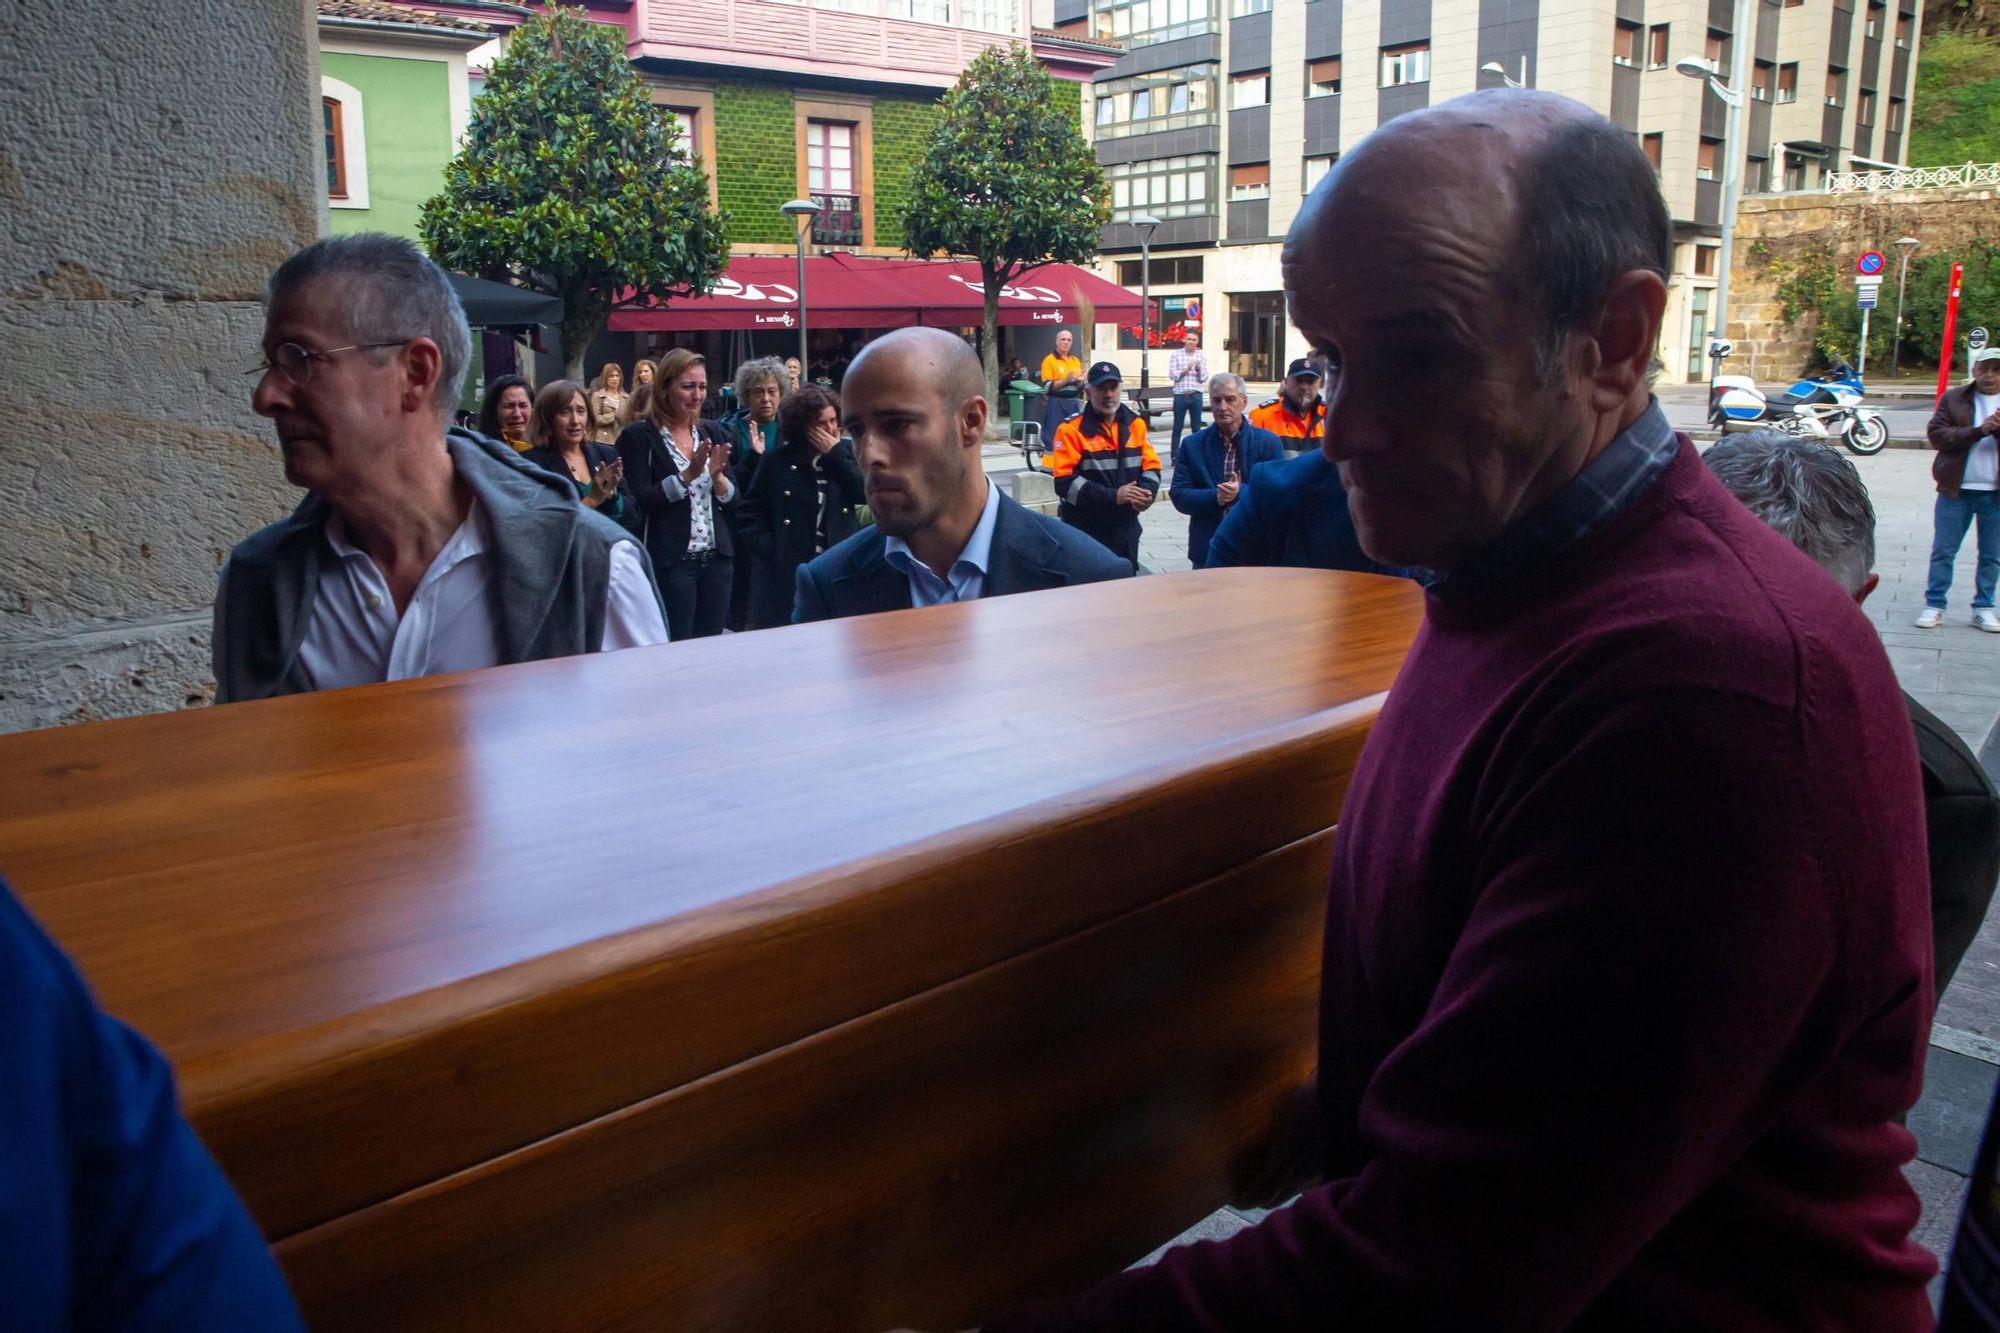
(1956, 116)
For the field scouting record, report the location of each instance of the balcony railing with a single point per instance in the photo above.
(1913, 178)
(839, 220)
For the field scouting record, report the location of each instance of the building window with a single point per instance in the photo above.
(1836, 86)
(1256, 335)
(1705, 159)
(1704, 260)
(1761, 75)
(1655, 145)
(336, 148)
(1760, 175)
(829, 157)
(1250, 182)
(1795, 172)
(1788, 82)
(1323, 77)
(1167, 271)
(1698, 329)
(1656, 51)
(1903, 31)
(1144, 22)
(1243, 8)
(1716, 49)
(1248, 90)
(1167, 99)
(984, 15)
(1316, 169)
(1876, 14)
(1166, 187)
(1625, 44)
(922, 11)
(1406, 64)
(685, 138)
(1895, 115)
(1865, 110)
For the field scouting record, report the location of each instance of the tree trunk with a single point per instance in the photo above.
(583, 320)
(990, 360)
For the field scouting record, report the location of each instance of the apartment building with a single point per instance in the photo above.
(1221, 114)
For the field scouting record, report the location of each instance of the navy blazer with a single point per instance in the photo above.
(1294, 514)
(1030, 552)
(1198, 471)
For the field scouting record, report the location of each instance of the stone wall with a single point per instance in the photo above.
(151, 175)
(1775, 230)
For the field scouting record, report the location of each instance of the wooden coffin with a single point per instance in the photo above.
(884, 971)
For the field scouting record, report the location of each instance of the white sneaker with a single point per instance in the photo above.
(1930, 618)
(1986, 620)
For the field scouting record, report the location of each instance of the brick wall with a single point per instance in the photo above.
(756, 160)
(902, 131)
(1775, 232)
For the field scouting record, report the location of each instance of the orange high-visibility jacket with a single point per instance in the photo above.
(1094, 457)
(1278, 419)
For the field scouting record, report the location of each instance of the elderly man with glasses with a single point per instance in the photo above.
(419, 548)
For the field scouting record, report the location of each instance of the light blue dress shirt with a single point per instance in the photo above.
(968, 572)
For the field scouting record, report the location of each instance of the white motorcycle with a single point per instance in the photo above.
(1826, 408)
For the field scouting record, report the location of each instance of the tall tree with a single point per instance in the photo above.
(1007, 180)
(571, 182)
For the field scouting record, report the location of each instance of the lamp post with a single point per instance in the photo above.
(1145, 222)
(1741, 38)
(1907, 244)
(802, 212)
(1495, 67)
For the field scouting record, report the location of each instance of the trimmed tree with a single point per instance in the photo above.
(1007, 180)
(571, 183)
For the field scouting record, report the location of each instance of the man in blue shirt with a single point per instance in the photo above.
(112, 1214)
(915, 405)
(1213, 467)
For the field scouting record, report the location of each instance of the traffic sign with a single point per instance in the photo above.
(1866, 300)
(1976, 339)
(1870, 264)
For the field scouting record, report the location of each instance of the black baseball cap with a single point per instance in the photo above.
(1103, 371)
(1303, 366)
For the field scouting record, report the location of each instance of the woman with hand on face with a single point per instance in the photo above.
(560, 445)
(607, 403)
(504, 412)
(800, 502)
(677, 469)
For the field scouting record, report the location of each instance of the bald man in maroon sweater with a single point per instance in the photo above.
(1627, 966)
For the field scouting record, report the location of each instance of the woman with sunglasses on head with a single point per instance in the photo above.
(560, 444)
(677, 469)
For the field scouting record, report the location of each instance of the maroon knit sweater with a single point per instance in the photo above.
(1627, 970)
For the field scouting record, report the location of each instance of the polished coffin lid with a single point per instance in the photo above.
(388, 933)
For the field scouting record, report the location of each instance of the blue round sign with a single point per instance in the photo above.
(1870, 264)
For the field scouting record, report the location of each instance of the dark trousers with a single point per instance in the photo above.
(1188, 405)
(742, 590)
(1117, 532)
(696, 591)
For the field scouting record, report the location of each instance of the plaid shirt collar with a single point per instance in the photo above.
(1613, 482)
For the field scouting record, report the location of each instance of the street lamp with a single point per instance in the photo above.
(1741, 37)
(802, 212)
(1907, 244)
(1145, 222)
(1495, 67)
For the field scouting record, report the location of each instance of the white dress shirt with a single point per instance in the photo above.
(968, 572)
(1982, 465)
(354, 636)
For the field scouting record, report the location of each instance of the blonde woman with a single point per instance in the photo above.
(607, 402)
(643, 372)
(677, 470)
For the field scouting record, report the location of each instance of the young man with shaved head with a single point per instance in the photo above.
(1622, 994)
(914, 403)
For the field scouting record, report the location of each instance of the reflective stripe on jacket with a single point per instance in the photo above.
(1279, 420)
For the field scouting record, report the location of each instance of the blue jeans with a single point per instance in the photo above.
(1190, 405)
(1954, 516)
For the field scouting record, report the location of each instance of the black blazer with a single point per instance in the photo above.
(648, 467)
(779, 513)
(596, 456)
(1030, 552)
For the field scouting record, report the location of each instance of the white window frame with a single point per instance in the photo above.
(1250, 193)
(825, 149)
(1316, 168)
(1406, 65)
(1245, 86)
(353, 142)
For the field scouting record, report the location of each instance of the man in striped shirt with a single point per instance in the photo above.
(1188, 369)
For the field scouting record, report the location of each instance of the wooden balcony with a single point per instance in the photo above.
(860, 40)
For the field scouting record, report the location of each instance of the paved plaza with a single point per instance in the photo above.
(1954, 671)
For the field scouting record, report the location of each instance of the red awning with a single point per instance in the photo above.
(849, 292)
